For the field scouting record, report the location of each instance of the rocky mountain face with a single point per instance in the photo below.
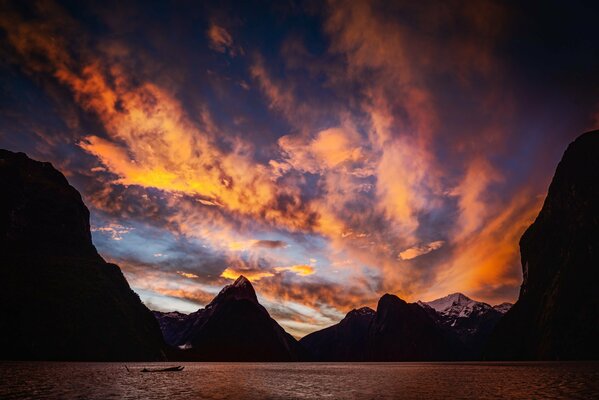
(556, 316)
(472, 321)
(63, 301)
(233, 327)
(345, 341)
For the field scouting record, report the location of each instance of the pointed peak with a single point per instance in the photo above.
(241, 289)
(459, 296)
(451, 301)
(242, 281)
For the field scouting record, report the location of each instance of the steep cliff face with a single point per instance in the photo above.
(557, 314)
(40, 213)
(62, 300)
(345, 341)
(233, 327)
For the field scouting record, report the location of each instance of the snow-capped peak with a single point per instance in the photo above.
(457, 305)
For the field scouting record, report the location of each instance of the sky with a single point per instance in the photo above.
(330, 151)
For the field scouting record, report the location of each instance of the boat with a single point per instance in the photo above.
(169, 369)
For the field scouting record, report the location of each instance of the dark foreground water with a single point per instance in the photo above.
(301, 381)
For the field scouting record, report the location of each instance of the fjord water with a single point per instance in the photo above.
(25, 380)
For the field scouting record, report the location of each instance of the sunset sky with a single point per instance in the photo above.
(331, 152)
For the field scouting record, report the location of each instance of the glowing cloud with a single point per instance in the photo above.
(302, 270)
(253, 276)
(188, 275)
(417, 251)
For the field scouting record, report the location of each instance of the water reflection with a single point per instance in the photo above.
(302, 381)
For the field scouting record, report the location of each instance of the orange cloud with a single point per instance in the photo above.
(188, 275)
(471, 192)
(489, 259)
(417, 251)
(376, 173)
(302, 270)
(220, 39)
(253, 276)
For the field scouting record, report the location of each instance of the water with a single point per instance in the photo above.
(301, 381)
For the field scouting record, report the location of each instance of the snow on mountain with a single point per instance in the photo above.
(472, 321)
(458, 305)
(503, 307)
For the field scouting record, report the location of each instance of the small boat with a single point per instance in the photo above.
(169, 369)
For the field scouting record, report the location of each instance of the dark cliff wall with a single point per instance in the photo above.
(61, 300)
(557, 314)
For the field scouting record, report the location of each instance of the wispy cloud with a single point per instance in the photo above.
(221, 40)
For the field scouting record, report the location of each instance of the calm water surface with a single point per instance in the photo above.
(301, 381)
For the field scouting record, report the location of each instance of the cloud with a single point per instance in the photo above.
(330, 148)
(252, 276)
(357, 142)
(418, 251)
(176, 285)
(221, 40)
(301, 270)
(188, 275)
(116, 231)
(270, 244)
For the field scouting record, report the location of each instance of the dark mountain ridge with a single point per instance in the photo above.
(65, 301)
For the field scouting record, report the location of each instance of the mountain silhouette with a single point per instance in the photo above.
(556, 316)
(397, 331)
(345, 341)
(62, 300)
(233, 327)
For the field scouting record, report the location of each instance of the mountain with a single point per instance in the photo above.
(397, 331)
(233, 327)
(471, 320)
(556, 316)
(407, 332)
(345, 341)
(62, 301)
(503, 307)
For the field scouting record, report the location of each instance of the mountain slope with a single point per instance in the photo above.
(345, 341)
(557, 314)
(63, 301)
(233, 327)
